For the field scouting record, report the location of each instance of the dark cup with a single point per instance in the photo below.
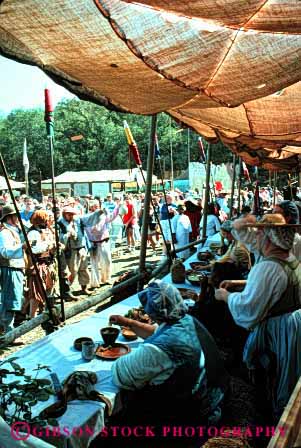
(109, 335)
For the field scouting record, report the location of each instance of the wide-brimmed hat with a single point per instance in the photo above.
(280, 234)
(290, 210)
(7, 210)
(69, 209)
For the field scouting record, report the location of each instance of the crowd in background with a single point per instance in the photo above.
(91, 229)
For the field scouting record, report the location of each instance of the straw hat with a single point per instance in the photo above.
(280, 234)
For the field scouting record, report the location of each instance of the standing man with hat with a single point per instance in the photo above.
(12, 265)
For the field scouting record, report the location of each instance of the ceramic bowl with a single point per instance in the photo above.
(78, 342)
(109, 335)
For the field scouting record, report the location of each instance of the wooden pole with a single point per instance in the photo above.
(233, 185)
(188, 154)
(207, 191)
(70, 312)
(32, 256)
(239, 185)
(171, 158)
(84, 305)
(147, 196)
(275, 185)
(26, 183)
(50, 134)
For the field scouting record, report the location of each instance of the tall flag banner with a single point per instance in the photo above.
(49, 120)
(237, 170)
(48, 117)
(25, 158)
(246, 171)
(157, 149)
(132, 144)
(202, 151)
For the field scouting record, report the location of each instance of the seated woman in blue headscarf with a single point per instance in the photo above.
(176, 375)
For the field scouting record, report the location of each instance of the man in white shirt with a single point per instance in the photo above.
(12, 265)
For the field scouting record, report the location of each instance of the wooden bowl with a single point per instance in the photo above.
(204, 256)
(109, 335)
(77, 344)
(128, 334)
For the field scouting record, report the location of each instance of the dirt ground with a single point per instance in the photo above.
(122, 262)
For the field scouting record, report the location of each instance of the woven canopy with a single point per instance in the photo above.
(230, 69)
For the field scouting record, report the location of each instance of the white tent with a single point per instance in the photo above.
(15, 185)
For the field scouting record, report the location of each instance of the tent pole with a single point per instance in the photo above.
(171, 159)
(147, 197)
(274, 192)
(233, 185)
(239, 185)
(207, 192)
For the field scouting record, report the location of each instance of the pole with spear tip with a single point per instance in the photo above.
(50, 135)
(134, 150)
(52, 317)
(158, 160)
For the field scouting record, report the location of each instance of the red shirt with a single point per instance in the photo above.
(129, 218)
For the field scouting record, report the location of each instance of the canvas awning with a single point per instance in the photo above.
(230, 69)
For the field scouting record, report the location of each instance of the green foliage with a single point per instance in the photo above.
(103, 145)
(17, 397)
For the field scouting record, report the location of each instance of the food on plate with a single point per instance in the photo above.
(198, 265)
(188, 294)
(112, 352)
(139, 315)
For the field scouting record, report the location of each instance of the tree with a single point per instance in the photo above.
(103, 145)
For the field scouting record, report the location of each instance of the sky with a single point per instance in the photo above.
(22, 86)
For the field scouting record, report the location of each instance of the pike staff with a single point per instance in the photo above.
(158, 160)
(135, 153)
(50, 135)
(28, 246)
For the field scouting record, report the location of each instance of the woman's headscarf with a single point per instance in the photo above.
(282, 237)
(162, 302)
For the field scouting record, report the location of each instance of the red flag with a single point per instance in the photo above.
(132, 144)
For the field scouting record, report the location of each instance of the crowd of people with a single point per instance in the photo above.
(259, 254)
(90, 229)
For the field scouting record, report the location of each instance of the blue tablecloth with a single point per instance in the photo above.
(57, 352)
